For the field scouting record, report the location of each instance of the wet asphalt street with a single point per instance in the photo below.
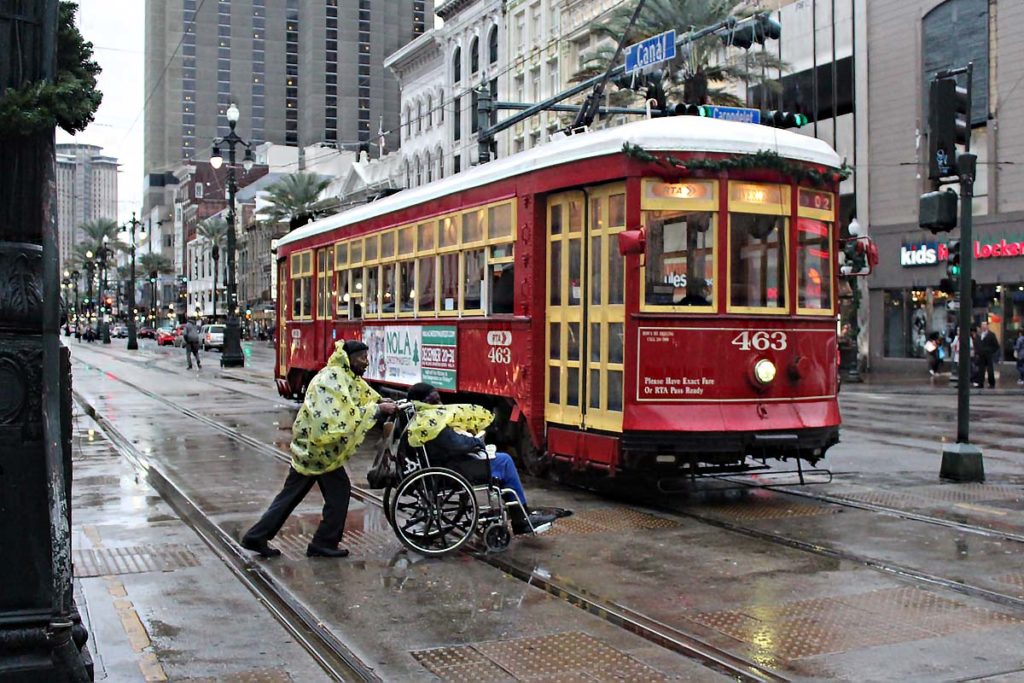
(883, 573)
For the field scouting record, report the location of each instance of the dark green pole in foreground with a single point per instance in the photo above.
(41, 634)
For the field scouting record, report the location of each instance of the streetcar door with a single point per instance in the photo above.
(282, 316)
(322, 328)
(584, 340)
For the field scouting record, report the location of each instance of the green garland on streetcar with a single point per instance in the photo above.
(764, 159)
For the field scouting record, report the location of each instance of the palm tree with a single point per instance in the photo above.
(98, 231)
(296, 199)
(157, 264)
(696, 77)
(214, 231)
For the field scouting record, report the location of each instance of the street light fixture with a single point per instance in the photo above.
(133, 339)
(853, 370)
(232, 353)
(101, 259)
(75, 275)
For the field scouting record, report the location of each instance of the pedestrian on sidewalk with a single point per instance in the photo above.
(1018, 355)
(932, 347)
(988, 354)
(337, 412)
(191, 339)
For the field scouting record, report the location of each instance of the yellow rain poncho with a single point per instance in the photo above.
(331, 424)
(431, 419)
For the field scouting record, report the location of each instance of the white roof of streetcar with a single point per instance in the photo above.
(669, 134)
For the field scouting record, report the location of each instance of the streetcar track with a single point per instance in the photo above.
(329, 652)
(653, 631)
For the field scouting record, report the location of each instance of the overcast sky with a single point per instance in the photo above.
(116, 30)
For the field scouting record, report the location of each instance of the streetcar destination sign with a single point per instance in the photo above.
(649, 52)
(740, 114)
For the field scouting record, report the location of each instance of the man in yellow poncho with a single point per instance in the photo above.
(338, 411)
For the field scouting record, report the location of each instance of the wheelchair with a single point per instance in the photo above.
(436, 508)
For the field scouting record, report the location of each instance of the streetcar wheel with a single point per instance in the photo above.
(497, 538)
(434, 511)
(534, 460)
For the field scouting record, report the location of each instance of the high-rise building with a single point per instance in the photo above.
(301, 72)
(86, 190)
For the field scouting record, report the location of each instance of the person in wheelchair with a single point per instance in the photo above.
(438, 429)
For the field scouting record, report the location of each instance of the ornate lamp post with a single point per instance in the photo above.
(232, 355)
(75, 275)
(849, 269)
(101, 256)
(133, 339)
(90, 302)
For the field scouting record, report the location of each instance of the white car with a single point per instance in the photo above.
(212, 337)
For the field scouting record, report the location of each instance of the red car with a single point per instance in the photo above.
(164, 336)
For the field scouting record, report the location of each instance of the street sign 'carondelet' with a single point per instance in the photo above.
(654, 50)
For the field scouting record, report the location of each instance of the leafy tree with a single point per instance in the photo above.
(296, 199)
(697, 75)
(214, 231)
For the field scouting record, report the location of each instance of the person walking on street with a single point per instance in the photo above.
(931, 348)
(337, 412)
(1018, 355)
(191, 339)
(988, 353)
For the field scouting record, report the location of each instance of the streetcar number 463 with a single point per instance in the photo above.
(760, 340)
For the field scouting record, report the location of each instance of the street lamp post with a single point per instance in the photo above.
(232, 354)
(133, 339)
(101, 257)
(75, 275)
(853, 369)
(90, 302)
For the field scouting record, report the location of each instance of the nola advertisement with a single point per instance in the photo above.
(407, 354)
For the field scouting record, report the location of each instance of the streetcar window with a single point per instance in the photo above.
(426, 235)
(555, 270)
(680, 259)
(472, 285)
(473, 226)
(575, 272)
(406, 241)
(555, 222)
(302, 286)
(502, 288)
(355, 252)
(757, 248)
(356, 295)
(426, 283)
(387, 289)
(370, 250)
(407, 286)
(387, 245)
(814, 264)
(617, 210)
(499, 221)
(372, 290)
(324, 283)
(449, 281)
(344, 294)
(449, 236)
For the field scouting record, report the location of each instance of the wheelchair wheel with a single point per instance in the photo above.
(497, 537)
(433, 511)
(386, 504)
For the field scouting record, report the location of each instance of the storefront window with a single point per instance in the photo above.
(910, 317)
(680, 258)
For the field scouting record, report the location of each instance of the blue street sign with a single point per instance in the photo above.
(649, 52)
(733, 114)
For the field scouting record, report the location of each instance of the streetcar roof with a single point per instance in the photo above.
(669, 134)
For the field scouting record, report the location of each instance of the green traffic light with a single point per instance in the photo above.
(954, 271)
(801, 120)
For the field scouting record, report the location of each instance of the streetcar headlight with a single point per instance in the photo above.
(764, 371)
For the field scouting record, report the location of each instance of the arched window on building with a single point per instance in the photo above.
(474, 55)
(419, 172)
(419, 117)
(430, 111)
(457, 65)
(492, 45)
(429, 166)
(439, 160)
(408, 123)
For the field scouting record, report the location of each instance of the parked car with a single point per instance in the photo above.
(179, 335)
(212, 337)
(119, 331)
(146, 333)
(164, 336)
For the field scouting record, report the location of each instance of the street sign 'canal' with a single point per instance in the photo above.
(649, 52)
(733, 114)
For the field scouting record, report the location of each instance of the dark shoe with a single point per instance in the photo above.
(324, 551)
(188, 367)
(538, 523)
(260, 547)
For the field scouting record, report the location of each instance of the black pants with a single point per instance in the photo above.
(987, 367)
(192, 349)
(337, 491)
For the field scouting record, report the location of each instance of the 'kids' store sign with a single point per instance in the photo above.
(930, 253)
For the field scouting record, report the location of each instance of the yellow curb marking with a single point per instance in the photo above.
(93, 534)
(980, 508)
(138, 638)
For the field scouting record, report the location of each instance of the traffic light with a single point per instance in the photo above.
(937, 210)
(783, 119)
(687, 110)
(949, 125)
(152, 276)
(953, 260)
(749, 31)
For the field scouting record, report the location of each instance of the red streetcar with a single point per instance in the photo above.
(657, 298)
